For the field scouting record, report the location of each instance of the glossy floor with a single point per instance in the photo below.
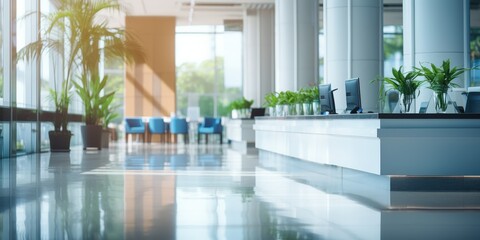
(212, 192)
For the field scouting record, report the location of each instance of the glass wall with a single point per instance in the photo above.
(209, 69)
(475, 56)
(26, 32)
(2, 16)
(4, 69)
(392, 49)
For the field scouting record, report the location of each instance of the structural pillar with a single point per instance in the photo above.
(259, 52)
(353, 31)
(437, 30)
(296, 44)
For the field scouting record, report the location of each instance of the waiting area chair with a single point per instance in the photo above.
(473, 102)
(156, 126)
(134, 126)
(179, 126)
(210, 126)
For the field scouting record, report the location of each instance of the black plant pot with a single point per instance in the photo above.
(60, 141)
(92, 136)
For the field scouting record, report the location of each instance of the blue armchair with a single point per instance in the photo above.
(211, 126)
(179, 126)
(156, 126)
(134, 126)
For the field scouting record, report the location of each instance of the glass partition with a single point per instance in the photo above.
(212, 77)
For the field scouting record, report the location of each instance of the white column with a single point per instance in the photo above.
(436, 30)
(296, 44)
(354, 37)
(259, 52)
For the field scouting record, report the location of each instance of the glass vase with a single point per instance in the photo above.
(440, 100)
(299, 108)
(279, 111)
(271, 111)
(316, 108)
(407, 103)
(307, 109)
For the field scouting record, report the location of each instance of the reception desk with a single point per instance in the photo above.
(240, 133)
(380, 144)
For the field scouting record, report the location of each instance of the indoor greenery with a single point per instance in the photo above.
(109, 111)
(406, 84)
(242, 103)
(271, 99)
(440, 79)
(77, 31)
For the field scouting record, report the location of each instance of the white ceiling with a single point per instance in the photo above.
(204, 11)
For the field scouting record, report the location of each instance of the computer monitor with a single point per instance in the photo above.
(327, 101)
(257, 112)
(352, 92)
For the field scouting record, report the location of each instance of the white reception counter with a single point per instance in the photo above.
(381, 144)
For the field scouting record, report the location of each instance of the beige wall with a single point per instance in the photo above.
(150, 86)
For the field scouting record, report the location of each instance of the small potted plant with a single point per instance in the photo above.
(307, 101)
(407, 85)
(299, 99)
(271, 101)
(440, 79)
(315, 98)
(241, 108)
(285, 100)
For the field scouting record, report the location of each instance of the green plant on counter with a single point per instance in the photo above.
(271, 99)
(241, 104)
(406, 84)
(286, 98)
(308, 95)
(440, 79)
(314, 94)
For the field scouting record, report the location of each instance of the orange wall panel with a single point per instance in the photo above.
(150, 86)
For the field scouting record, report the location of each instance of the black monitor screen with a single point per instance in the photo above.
(327, 101)
(352, 92)
(257, 112)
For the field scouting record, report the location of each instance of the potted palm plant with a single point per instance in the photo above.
(407, 85)
(60, 136)
(86, 31)
(75, 31)
(440, 79)
(51, 42)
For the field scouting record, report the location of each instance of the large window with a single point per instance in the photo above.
(475, 56)
(392, 49)
(209, 69)
(26, 32)
(2, 15)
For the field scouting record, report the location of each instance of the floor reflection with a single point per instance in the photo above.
(170, 191)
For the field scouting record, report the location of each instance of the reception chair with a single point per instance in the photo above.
(134, 126)
(210, 126)
(179, 126)
(393, 100)
(473, 102)
(156, 126)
